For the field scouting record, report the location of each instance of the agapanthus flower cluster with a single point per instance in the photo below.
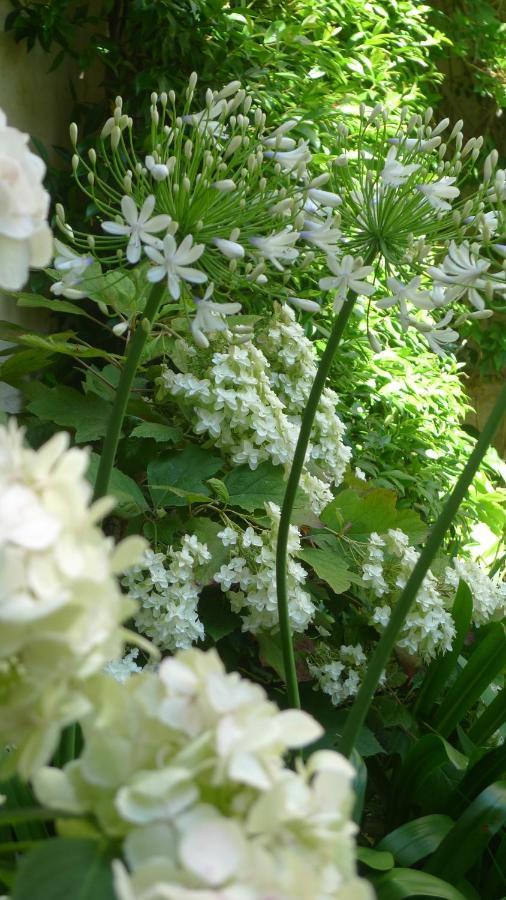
(249, 401)
(25, 237)
(166, 588)
(185, 769)
(404, 216)
(340, 672)
(251, 572)
(61, 608)
(203, 198)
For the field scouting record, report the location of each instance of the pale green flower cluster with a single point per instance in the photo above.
(185, 768)
(60, 605)
(249, 401)
(251, 571)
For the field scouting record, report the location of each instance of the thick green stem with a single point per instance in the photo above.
(289, 499)
(123, 392)
(389, 637)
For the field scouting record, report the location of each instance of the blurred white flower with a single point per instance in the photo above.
(25, 237)
(209, 317)
(438, 193)
(348, 274)
(278, 247)
(394, 173)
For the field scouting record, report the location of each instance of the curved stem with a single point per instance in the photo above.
(289, 498)
(123, 392)
(385, 645)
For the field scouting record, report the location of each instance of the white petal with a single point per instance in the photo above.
(14, 263)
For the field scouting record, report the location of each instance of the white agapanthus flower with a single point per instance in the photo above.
(324, 235)
(60, 605)
(203, 805)
(72, 267)
(174, 263)
(25, 237)
(394, 173)
(278, 247)
(294, 160)
(439, 193)
(210, 317)
(463, 271)
(348, 274)
(141, 226)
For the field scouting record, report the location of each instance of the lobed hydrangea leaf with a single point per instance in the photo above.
(329, 566)
(175, 476)
(130, 500)
(167, 434)
(372, 510)
(65, 406)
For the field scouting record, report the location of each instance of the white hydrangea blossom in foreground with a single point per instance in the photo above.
(252, 569)
(25, 237)
(61, 608)
(167, 591)
(203, 805)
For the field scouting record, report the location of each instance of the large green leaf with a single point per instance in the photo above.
(440, 670)
(487, 661)
(490, 720)
(65, 869)
(490, 767)
(417, 839)
(471, 834)
(68, 408)
(130, 500)
(400, 883)
(415, 778)
(372, 510)
(329, 566)
(36, 301)
(162, 434)
(175, 477)
(381, 860)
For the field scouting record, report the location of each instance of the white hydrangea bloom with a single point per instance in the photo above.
(25, 237)
(253, 571)
(60, 605)
(489, 595)
(249, 400)
(203, 805)
(341, 678)
(121, 669)
(167, 591)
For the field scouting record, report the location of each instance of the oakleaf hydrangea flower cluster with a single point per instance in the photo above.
(166, 588)
(249, 401)
(251, 570)
(340, 677)
(25, 236)
(203, 805)
(60, 605)
(429, 628)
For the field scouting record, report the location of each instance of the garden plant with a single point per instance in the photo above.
(252, 560)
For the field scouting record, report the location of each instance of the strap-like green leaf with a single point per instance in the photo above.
(490, 720)
(441, 669)
(400, 883)
(487, 660)
(470, 835)
(417, 839)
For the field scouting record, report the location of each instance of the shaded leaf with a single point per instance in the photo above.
(130, 500)
(329, 566)
(68, 408)
(167, 434)
(62, 868)
(175, 477)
